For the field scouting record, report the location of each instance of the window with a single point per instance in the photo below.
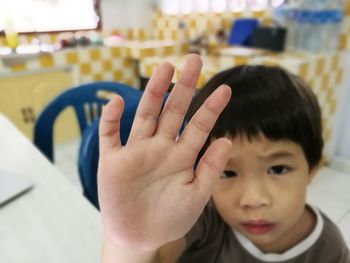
(237, 5)
(258, 5)
(170, 7)
(202, 6)
(218, 6)
(49, 15)
(277, 3)
(185, 6)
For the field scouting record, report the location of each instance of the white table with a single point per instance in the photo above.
(53, 222)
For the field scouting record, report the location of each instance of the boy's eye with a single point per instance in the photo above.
(228, 174)
(278, 169)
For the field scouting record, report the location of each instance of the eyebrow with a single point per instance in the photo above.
(273, 156)
(278, 155)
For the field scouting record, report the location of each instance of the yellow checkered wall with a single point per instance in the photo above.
(347, 7)
(344, 39)
(90, 64)
(167, 26)
(131, 33)
(325, 75)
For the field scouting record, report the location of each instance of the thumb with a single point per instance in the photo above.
(211, 166)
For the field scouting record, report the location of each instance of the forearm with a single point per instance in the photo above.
(113, 254)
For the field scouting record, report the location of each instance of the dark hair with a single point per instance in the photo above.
(269, 101)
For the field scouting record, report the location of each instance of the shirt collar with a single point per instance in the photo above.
(290, 253)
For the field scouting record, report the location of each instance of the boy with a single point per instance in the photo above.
(256, 164)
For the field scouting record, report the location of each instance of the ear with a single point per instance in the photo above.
(313, 171)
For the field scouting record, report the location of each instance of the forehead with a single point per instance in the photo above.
(263, 147)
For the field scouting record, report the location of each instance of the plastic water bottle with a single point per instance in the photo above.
(285, 17)
(329, 23)
(332, 30)
(319, 20)
(305, 31)
(333, 13)
(313, 25)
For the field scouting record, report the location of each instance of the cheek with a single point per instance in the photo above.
(290, 196)
(294, 184)
(225, 199)
(221, 195)
(225, 191)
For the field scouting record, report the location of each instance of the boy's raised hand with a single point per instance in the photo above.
(148, 192)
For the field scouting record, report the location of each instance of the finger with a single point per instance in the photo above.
(147, 113)
(109, 127)
(197, 130)
(180, 98)
(211, 166)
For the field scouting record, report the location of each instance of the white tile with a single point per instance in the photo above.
(72, 149)
(69, 148)
(340, 164)
(60, 156)
(66, 155)
(344, 226)
(84, 56)
(334, 207)
(76, 182)
(69, 169)
(96, 66)
(333, 182)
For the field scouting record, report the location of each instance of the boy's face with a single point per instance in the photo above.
(262, 193)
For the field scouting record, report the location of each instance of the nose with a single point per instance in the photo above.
(253, 194)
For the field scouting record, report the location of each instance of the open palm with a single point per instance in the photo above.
(148, 192)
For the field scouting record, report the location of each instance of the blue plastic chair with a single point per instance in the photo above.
(87, 101)
(88, 160)
(242, 31)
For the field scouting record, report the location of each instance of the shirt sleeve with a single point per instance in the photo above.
(333, 247)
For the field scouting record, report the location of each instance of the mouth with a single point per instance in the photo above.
(258, 227)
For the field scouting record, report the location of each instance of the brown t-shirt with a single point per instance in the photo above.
(212, 240)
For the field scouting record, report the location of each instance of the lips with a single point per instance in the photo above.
(258, 227)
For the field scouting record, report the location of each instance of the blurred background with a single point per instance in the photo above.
(81, 41)
(50, 46)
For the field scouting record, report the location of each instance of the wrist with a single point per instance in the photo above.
(112, 253)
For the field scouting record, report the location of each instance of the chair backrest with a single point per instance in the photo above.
(87, 101)
(88, 161)
(242, 30)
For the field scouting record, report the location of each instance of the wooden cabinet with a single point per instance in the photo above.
(24, 95)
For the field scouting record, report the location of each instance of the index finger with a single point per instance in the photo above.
(198, 129)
